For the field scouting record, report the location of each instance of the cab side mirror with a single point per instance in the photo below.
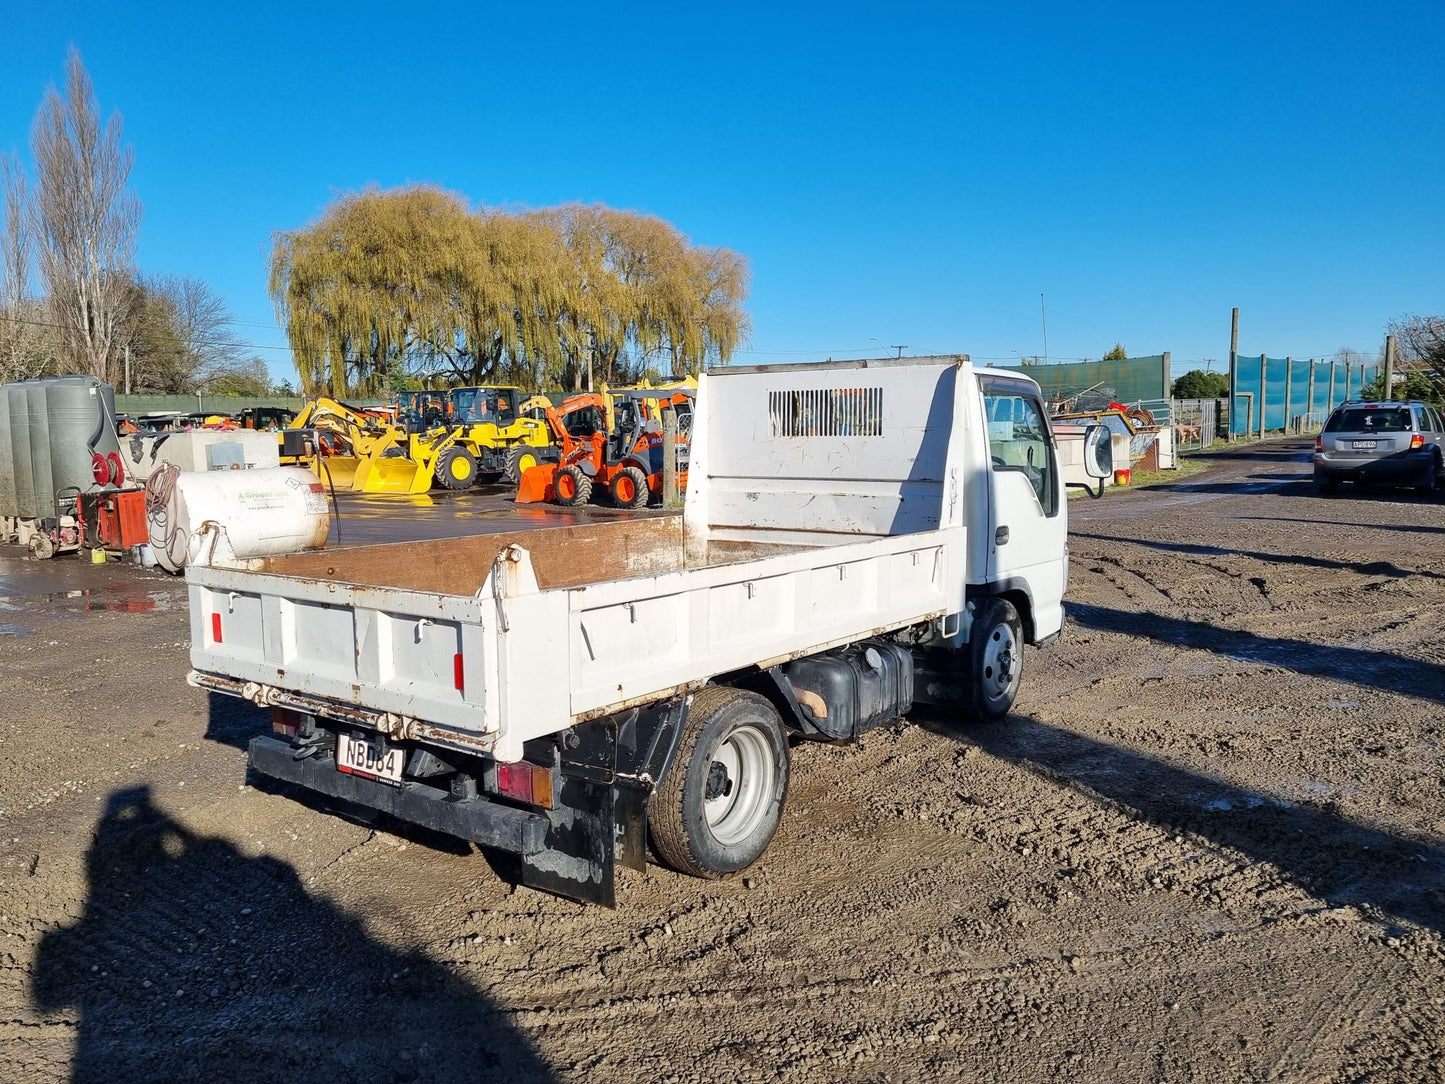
(1098, 458)
(1098, 451)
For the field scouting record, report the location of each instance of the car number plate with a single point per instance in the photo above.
(1364, 445)
(358, 754)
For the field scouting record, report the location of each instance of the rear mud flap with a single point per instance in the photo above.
(595, 827)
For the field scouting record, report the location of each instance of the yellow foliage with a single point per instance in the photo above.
(415, 281)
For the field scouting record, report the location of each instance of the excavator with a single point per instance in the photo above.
(623, 460)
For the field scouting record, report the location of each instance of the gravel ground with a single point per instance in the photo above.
(1207, 847)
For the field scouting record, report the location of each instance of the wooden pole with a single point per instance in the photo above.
(1388, 390)
(1233, 361)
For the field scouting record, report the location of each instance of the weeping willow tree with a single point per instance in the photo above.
(414, 282)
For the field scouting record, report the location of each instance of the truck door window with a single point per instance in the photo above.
(1018, 440)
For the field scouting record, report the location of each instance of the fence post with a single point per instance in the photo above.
(669, 458)
(1330, 405)
(1288, 378)
(1311, 408)
(1348, 366)
(1263, 390)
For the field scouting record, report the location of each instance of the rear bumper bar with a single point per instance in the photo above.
(477, 819)
(400, 727)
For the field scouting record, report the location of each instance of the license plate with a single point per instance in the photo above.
(358, 754)
(1364, 445)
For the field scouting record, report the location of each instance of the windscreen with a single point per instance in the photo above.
(1370, 420)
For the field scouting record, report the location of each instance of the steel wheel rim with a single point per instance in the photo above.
(565, 486)
(625, 489)
(526, 463)
(1000, 662)
(459, 468)
(747, 757)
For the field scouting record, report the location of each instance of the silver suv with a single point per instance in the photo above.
(1392, 442)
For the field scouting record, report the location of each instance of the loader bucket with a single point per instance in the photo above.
(536, 485)
(337, 471)
(391, 474)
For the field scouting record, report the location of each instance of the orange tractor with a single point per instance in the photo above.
(625, 464)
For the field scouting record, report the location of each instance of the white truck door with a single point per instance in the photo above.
(1028, 528)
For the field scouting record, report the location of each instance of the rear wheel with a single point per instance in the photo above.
(41, 548)
(629, 488)
(519, 459)
(1326, 483)
(456, 469)
(996, 660)
(572, 486)
(720, 802)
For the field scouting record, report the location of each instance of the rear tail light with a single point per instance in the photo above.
(285, 721)
(1417, 441)
(526, 783)
(1319, 444)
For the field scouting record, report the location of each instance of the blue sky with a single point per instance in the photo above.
(901, 173)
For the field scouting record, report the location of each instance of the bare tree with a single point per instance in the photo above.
(23, 338)
(86, 222)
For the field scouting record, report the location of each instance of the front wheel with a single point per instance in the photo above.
(457, 469)
(572, 486)
(996, 660)
(720, 802)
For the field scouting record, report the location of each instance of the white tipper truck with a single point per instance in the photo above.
(857, 536)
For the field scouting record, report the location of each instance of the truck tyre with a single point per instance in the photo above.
(572, 486)
(720, 801)
(996, 661)
(519, 459)
(456, 469)
(629, 488)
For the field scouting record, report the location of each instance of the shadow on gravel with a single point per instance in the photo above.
(234, 722)
(1360, 666)
(1364, 568)
(195, 962)
(1328, 855)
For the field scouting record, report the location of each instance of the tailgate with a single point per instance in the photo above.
(409, 653)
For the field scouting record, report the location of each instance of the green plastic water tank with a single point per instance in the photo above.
(20, 451)
(81, 413)
(7, 459)
(38, 407)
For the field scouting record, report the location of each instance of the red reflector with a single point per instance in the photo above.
(457, 671)
(515, 781)
(216, 627)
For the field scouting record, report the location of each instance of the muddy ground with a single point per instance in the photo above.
(1209, 846)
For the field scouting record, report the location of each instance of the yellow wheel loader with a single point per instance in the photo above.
(493, 430)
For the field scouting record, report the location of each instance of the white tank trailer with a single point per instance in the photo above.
(57, 441)
(220, 517)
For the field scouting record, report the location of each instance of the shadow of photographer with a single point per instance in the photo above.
(194, 961)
